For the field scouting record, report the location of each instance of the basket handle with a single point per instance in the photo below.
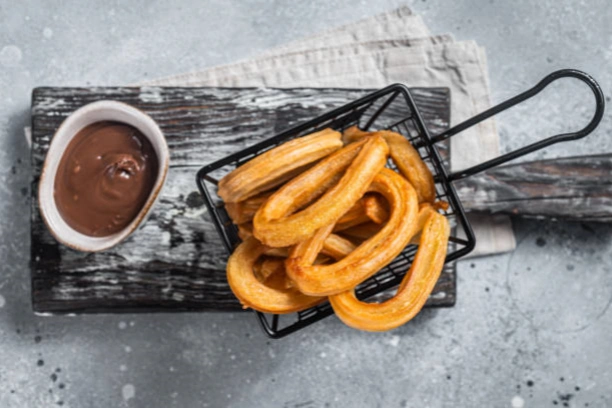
(564, 73)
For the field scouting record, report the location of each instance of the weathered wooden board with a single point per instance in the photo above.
(572, 188)
(176, 260)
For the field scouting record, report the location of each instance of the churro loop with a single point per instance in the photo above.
(276, 225)
(410, 164)
(370, 256)
(405, 157)
(255, 294)
(412, 293)
(277, 165)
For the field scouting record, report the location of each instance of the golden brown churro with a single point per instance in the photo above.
(277, 165)
(335, 218)
(413, 292)
(255, 294)
(405, 157)
(275, 225)
(367, 258)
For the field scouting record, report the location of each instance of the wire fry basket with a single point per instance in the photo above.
(391, 108)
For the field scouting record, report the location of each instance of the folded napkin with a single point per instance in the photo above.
(373, 53)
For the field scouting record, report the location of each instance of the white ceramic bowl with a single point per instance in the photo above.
(84, 116)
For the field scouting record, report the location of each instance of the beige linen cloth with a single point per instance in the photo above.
(373, 53)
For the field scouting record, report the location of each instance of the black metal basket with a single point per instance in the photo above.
(390, 108)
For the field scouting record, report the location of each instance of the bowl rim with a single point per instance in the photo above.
(73, 239)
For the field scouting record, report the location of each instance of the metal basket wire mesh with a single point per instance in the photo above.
(391, 108)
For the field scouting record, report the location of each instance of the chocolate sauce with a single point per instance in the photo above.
(104, 178)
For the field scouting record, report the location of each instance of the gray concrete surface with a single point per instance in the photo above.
(532, 328)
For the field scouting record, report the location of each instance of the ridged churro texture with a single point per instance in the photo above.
(275, 224)
(277, 165)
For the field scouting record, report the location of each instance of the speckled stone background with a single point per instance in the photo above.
(541, 336)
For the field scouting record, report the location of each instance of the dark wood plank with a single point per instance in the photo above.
(572, 188)
(176, 261)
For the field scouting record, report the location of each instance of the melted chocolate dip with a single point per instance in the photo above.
(104, 178)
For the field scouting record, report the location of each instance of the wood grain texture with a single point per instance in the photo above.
(572, 188)
(176, 260)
